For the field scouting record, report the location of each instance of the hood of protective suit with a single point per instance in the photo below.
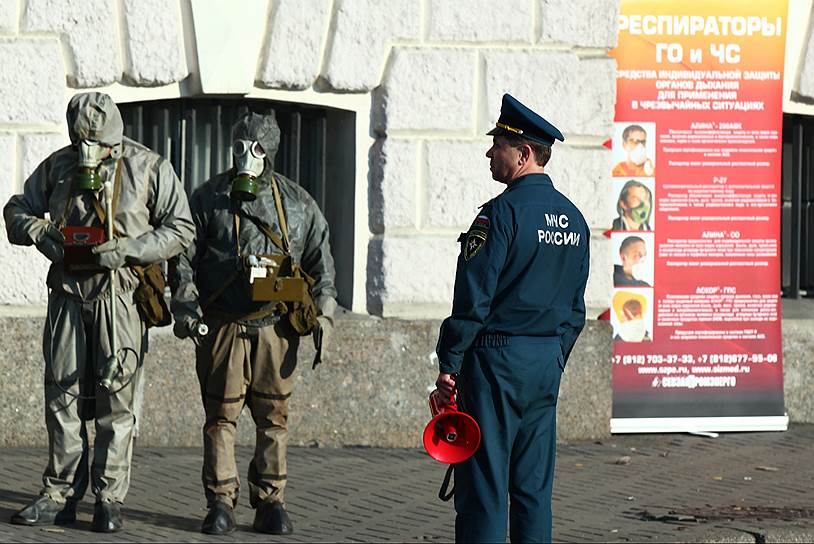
(94, 116)
(262, 128)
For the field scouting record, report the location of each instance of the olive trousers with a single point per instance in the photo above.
(76, 343)
(241, 365)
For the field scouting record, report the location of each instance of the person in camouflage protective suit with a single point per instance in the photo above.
(153, 223)
(249, 354)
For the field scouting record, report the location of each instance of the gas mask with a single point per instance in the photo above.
(638, 155)
(632, 331)
(640, 214)
(249, 162)
(91, 155)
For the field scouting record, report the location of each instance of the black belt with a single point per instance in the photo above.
(499, 340)
(492, 340)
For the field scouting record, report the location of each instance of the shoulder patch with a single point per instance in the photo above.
(475, 241)
(476, 236)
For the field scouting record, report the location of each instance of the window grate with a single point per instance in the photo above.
(194, 134)
(797, 237)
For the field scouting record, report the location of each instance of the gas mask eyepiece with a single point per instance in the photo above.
(249, 162)
(91, 155)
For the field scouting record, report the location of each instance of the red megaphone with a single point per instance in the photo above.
(450, 436)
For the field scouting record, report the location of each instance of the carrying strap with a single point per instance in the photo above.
(70, 202)
(219, 291)
(117, 189)
(265, 229)
(278, 203)
(100, 212)
(442, 493)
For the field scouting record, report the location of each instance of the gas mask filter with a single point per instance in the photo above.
(249, 159)
(91, 155)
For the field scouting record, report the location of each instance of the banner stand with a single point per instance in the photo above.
(695, 217)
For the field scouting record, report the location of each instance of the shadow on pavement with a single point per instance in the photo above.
(157, 519)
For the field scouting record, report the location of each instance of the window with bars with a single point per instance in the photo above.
(316, 150)
(797, 241)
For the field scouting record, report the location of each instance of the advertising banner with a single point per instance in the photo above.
(696, 199)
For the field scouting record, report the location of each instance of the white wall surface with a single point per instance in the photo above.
(425, 78)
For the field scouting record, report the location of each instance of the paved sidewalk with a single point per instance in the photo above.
(745, 487)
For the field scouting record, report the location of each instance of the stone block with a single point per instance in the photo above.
(154, 38)
(577, 96)
(414, 269)
(586, 23)
(9, 15)
(24, 272)
(222, 67)
(36, 148)
(90, 31)
(480, 21)
(798, 382)
(585, 401)
(458, 181)
(600, 280)
(293, 49)
(24, 268)
(805, 85)
(583, 175)
(8, 161)
(362, 32)
(393, 179)
(32, 82)
(370, 391)
(430, 89)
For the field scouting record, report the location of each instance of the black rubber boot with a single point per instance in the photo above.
(45, 511)
(220, 520)
(271, 518)
(107, 517)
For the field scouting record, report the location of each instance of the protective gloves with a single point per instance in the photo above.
(189, 327)
(327, 326)
(113, 253)
(48, 239)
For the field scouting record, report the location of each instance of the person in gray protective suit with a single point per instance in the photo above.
(152, 223)
(246, 350)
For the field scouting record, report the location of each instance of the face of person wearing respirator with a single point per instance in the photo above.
(249, 159)
(632, 327)
(634, 260)
(635, 147)
(636, 205)
(91, 154)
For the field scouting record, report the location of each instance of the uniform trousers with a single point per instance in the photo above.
(510, 386)
(241, 365)
(76, 343)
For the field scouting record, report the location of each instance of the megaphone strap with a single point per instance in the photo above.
(442, 493)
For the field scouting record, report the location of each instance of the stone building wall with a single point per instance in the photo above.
(434, 71)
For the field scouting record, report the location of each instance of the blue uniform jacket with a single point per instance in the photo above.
(521, 272)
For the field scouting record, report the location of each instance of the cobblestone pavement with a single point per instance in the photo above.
(745, 487)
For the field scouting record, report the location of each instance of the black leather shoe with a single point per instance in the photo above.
(107, 517)
(45, 511)
(220, 520)
(271, 518)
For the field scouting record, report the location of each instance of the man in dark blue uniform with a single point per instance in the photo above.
(517, 312)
